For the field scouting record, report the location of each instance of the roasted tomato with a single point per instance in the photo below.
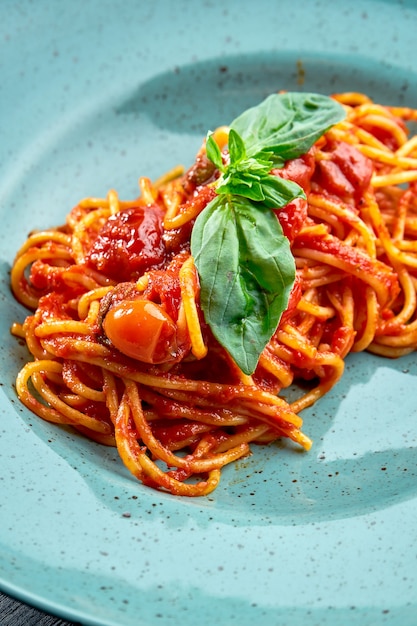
(292, 217)
(346, 173)
(142, 330)
(299, 170)
(129, 244)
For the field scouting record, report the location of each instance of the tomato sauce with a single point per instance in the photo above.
(355, 263)
(129, 244)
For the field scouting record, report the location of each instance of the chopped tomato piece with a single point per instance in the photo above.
(129, 243)
(142, 330)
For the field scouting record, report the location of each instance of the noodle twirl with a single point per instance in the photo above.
(140, 336)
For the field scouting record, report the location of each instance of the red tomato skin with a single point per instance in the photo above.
(299, 170)
(129, 244)
(292, 217)
(347, 173)
(142, 330)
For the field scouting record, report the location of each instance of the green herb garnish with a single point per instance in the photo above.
(244, 261)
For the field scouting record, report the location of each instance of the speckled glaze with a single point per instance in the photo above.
(92, 95)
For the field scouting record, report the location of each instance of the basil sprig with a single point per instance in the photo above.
(249, 176)
(243, 259)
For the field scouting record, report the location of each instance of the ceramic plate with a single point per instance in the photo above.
(92, 95)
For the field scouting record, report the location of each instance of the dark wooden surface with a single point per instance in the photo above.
(14, 613)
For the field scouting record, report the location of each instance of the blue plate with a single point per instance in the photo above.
(92, 95)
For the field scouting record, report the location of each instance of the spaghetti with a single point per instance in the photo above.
(120, 348)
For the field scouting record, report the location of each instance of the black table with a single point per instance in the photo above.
(14, 613)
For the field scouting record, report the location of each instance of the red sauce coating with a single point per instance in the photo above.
(295, 297)
(46, 277)
(353, 262)
(129, 244)
(292, 217)
(170, 434)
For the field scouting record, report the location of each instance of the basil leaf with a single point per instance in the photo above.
(244, 185)
(244, 262)
(272, 191)
(287, 124)
(237, 151)
(246, 274)
(278, 192)
(213, 152)
(274, 160)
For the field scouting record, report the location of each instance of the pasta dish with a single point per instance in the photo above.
(171, 325)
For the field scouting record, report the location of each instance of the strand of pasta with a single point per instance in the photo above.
(137, 460)
(57, 411)
(19, 283)
(189, 292)
(197, 466)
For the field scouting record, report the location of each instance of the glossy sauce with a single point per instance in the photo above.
(129, 244)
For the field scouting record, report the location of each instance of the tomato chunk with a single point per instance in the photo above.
(292, 217)
(129, 243)
(299, 170)
(142, 330)
(347, 173)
